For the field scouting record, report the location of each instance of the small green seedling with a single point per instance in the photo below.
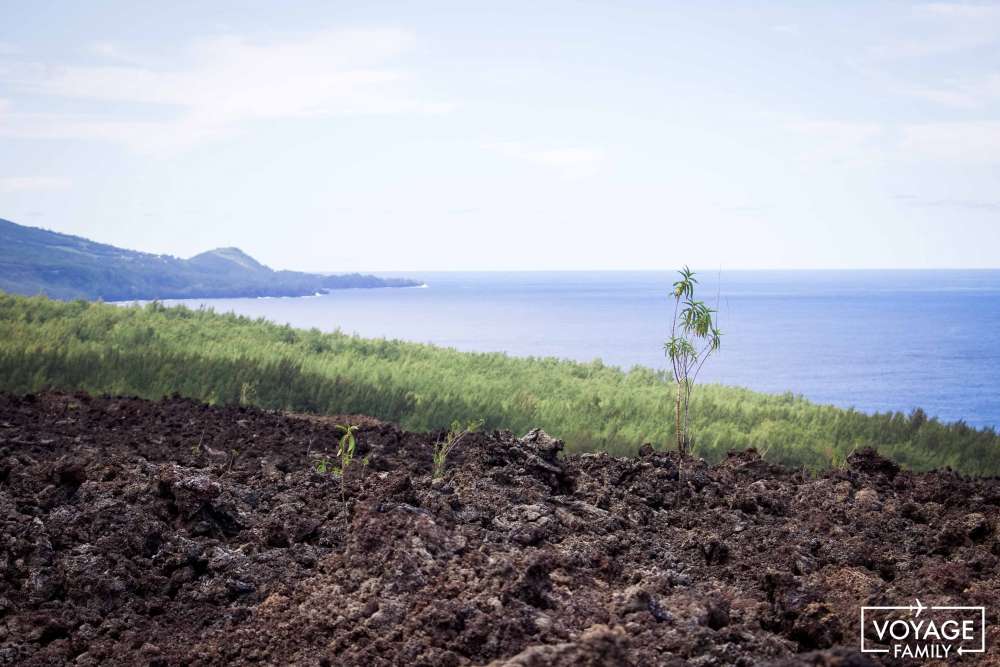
(346, 447)
(324, 465)
(348, 443)
(694, 337)
(451, 440)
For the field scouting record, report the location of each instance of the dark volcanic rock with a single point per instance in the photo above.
(131, 532)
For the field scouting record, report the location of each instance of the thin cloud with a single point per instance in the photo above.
(953, 141)
(968, 142)
(838, 141)
(938, 44)
(226, 83)
(787, 29)
(571, 162)
(964, 204)
(104, 49)
(945, 28)
(111, 51)
(32, 183)
(745, 209)
(949, 97)
(959, 95)
(960, 10)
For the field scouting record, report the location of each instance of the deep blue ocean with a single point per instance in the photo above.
(872, 340)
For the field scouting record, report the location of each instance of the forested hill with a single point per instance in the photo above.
(37, 261)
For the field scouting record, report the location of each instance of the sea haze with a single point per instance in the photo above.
(873, 340)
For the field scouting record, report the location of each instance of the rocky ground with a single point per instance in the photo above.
(168, 533)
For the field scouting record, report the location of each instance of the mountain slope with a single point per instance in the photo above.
(37, 261)
(227, 259)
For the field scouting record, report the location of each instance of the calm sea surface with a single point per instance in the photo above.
(874, 340)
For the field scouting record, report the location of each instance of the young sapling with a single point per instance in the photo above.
(454, 436)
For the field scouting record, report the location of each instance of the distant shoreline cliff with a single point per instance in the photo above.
(37, 261)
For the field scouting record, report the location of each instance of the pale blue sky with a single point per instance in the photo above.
(555, 135)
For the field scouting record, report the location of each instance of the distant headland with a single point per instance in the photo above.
(37, 261)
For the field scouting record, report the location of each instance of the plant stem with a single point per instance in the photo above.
(677, 418)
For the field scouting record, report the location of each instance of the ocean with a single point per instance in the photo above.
(876, 341)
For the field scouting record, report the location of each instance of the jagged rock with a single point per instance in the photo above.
(546, 446)
(138, 550)
(868, 460)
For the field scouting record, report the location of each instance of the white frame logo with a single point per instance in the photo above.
(942, 632)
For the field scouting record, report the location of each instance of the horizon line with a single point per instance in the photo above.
(660, 270)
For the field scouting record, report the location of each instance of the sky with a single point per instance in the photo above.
(506, 135)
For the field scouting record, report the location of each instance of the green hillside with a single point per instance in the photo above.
(36, 261)
(152, 351)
